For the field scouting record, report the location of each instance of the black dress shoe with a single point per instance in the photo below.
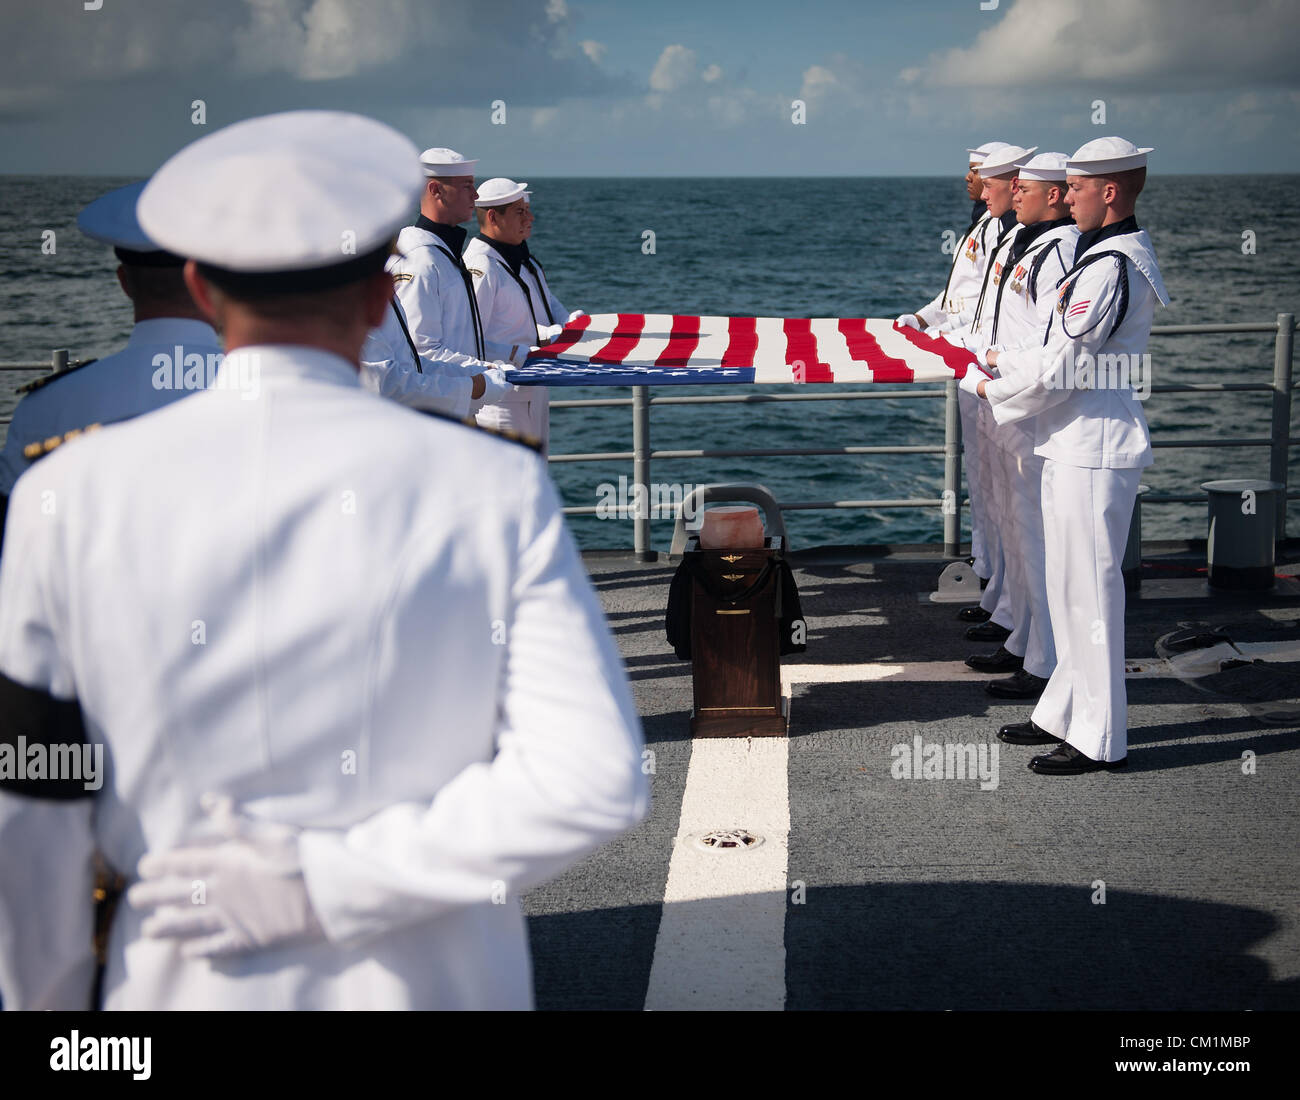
(1026, 733)
(1067, 760)
(974, 614)
(988, 632)
(1020, 685)
(1000, 660)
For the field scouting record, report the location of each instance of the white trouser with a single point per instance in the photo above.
(968, 409)
(1025, 473)
(1086, 517)
(526, 410)
(997, 596)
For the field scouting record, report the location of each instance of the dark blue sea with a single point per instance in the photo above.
(779, 247)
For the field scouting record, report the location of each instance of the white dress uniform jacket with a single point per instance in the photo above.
(392, 368)
(963, 289)
(250, 598)
(513, 309)
(135, 380)
(440, 309)
(1088, 425)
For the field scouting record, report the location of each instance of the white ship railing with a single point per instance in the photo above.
(641, 455)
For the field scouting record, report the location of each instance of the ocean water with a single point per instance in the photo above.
(779, 247)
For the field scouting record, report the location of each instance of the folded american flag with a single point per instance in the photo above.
(659, 349)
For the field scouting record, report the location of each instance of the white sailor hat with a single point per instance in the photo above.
(1048, 167)
(978, 156)
(1103, 156)
(1002, 162)
(111, 219)
(446, 162)
(499, 191)
(301, 200)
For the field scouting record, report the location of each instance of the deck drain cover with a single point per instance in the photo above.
(728, 840)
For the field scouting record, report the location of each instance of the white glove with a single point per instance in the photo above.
(908, 320)
(495, 386)
(547, 333)
(577, 313)
(971, 379)
(253, 893)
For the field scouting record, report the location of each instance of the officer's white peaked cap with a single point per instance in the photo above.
(499, 191)
(1047, 167)
(111, 219)
(979, 155)
(1107, 155)
(446, 162)
(1002, 162)
(300, 192)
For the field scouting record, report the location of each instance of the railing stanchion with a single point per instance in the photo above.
(951, 473)
(1280, 451)
(59, 360)
(641, 472)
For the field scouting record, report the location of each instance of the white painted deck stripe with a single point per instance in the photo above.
(1135, 668)
(721, 942)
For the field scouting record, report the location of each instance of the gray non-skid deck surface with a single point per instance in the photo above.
(935, 894)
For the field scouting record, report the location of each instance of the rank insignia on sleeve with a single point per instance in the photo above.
(403, 277)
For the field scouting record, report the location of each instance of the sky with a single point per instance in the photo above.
(669, 88)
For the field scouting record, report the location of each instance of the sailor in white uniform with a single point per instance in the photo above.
(515, 302)
(172, 350)
(950, 308)
(1035, 261)
(392, 368)
(347, 670)
(436, 291)
(999, 173)
(1081, 389)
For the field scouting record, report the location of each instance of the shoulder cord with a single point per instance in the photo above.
(529, 263)
(1038, 254)
(1120, 291)
(988, 270)
(401, 320)
(473, 298)
(528, 298)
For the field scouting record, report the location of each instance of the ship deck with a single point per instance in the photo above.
(876, 892)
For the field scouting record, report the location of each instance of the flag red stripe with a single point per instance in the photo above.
(864, 346)
(682, 342)
(626, 335)
(742, 342)
(957, 358)
(571, 335)
(801, 352)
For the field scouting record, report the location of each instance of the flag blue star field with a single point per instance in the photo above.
(659, 349)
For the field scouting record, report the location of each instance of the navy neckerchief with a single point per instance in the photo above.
(1102, 233)
(453, 236)
(1031, 233)
(977, 211)
(515, 255)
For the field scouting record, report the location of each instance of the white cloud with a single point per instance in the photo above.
(817, 81)
(675, 69)
(594, 50)
(1190, 44)
(712, 74)
(557, 11)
